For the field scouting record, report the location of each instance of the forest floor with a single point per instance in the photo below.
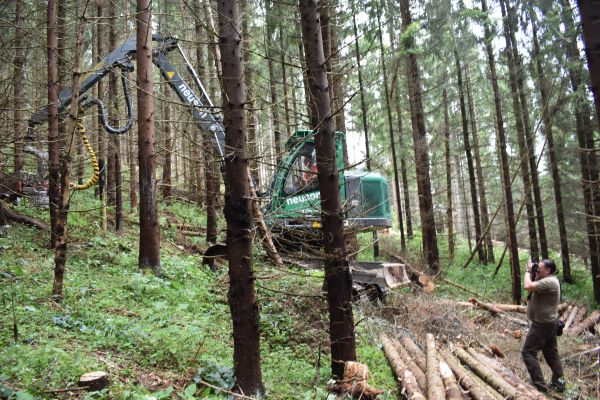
(170, 336)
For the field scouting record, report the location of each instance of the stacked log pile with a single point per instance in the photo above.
(449, 372)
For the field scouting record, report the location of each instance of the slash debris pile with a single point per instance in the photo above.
(472, 350)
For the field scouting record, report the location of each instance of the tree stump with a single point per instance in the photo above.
(94, 381)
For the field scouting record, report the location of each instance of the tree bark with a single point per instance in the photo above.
(589, 11)
(269, 40)
(506, 181)
(485, 218)
(449, 211)
(551, 151)
(166, 184)
(587, 148)
(18, 85)
(521, 140)
(466, 380)
(212, 165)
(60, 251)
(115, 189)
(435, 385)
(338, 281)
(430, 246)
(403, 374)
(241, 295)
(529, 140)
(149, 246)
(469, 155)
(364, 113)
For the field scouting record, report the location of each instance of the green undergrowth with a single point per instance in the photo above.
(157, 337)
(160, 337)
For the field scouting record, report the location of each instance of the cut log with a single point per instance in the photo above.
(571, 318)
(506, 307)
(466, 380)
(9, 215)
(496, 351)
(355, 383)
(579, 317)
(461, 287)
(435, 385)
(94, 381)
(589, 352)
(593, 318)
(508, 375)
(564, 314)
(415, 352)
(489, 376)
(411, 365)
(403, 374)
(453, 392)
(486, 306)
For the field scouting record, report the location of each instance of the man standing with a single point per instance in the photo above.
(542, 311)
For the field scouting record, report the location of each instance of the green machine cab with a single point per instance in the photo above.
(295, 197)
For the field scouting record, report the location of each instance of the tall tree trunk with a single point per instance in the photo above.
(114, 185)
(587, 155)
(469, 155)
(589, 11)
(250, 110)
(363, 113)
(394, 26)
(338, 281)
(485, 218)
(100, 134)
(212, 165)
(391, 132)
(337, 80)
(284, 80)
(167, 184)
(449, 211)
(430, 246)
(53, 146)
(463, 199)
(530, 146)
(60, 252)
(507, 190)
(242, 296)
(270, 39)
(149, 253)
(18, 85)
(521, 141)
(551, 151)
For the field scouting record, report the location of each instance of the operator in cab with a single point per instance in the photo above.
(542, 310)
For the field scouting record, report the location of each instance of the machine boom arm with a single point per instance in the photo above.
(202, 109)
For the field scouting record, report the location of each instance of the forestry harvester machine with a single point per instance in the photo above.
(292, 199)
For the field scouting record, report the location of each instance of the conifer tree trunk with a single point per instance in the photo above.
(587, 155)
(535, 185)
(100, 134)
(469, 155)
(212, 165)
(391, 132)
(270, 39)
(551, 151)
(241, 296)
(364, 111)
(337, 80)
(521, 141)
(430, 246)
(284, 79)
(251, 120)
(589, 11)
(149, 253)
(485, 218)
(18, 81)
(115, 176)
(463, 199)
(53, 146)
(449, 211)
(338, 281)
(167, 184)
(393, 27)
(507, 190)
(60, 251)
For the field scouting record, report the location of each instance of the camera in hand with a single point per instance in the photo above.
(535, 268)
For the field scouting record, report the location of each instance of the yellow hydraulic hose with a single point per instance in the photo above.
(96, 175)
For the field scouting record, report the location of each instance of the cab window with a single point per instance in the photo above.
(302, 176)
